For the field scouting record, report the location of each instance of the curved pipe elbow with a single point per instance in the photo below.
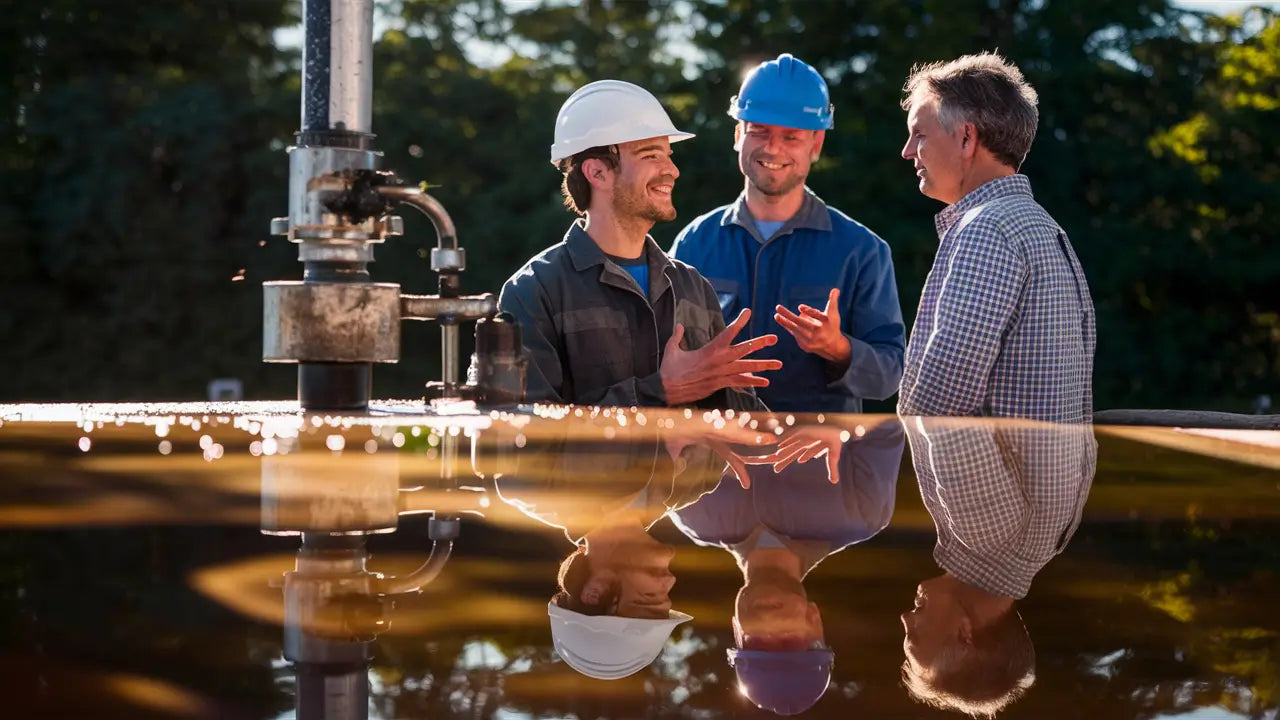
(446, 233)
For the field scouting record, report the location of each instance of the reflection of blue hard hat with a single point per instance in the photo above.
(786, 92)
(785, 683)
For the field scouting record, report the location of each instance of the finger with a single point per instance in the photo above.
(790, 326)
(812, 451)
(740, 380)
(747, 347)
(738, 367)
(739, 469)
(731, 331)
(833, 467)
(784, 312)
(812, 313)
(677, 335)
(833, 302)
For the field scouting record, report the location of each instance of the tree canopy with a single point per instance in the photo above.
(142, 156)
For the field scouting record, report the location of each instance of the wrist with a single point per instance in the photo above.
(839, 352)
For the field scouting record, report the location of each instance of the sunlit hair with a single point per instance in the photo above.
(979, 680)
(573, 576)
(575, 188)
(986, 90)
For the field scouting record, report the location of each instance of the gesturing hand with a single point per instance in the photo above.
(689, 375)
(817, 331)
(721, 442)
(805, 444)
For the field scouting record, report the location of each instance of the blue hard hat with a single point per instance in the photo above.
(784, 683)
(785, 92)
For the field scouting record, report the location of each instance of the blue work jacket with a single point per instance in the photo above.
(818, 249)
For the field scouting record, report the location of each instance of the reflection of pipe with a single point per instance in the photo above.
(440, 551)
(449, 359)
(446, 233)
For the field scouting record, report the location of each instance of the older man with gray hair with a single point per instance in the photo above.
(1005, 325)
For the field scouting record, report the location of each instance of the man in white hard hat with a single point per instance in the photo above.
(819, 279)
(612, 612)
(607, 318)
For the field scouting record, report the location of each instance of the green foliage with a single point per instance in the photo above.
(142, 156)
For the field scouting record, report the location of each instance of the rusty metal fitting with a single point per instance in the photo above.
(330, 322)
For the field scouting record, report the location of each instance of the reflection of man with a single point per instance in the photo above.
(820, 280)
(1005, 500)
(606, 317)
(1005, 325)
(778, 531)
(612, 611)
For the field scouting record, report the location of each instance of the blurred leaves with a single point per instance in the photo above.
(141, 157)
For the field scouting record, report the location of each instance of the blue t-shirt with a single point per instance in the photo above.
(637, 268)
(767, 229)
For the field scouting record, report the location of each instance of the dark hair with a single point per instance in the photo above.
(982, 679)
(986, 90)
(574, 187)
(575, 570)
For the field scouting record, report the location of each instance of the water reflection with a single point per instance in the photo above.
(612, 612)
(1161, 604)
(1005, 499)
(821, 491)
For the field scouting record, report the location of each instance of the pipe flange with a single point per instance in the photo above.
(311, 251)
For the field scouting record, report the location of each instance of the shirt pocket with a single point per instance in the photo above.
(815, 296)
(598, 346)
(727, 292)
(699, 323)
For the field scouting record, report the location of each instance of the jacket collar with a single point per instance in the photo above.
(813, 215)
(586, 254)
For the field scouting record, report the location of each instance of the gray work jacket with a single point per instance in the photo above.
(594, 338)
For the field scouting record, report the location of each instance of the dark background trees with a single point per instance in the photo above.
(142, 156)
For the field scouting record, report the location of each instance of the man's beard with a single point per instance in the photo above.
(630, 202)
(769, 185)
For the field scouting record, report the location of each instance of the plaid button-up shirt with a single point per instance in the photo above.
(1005, 497)
(1005, 325)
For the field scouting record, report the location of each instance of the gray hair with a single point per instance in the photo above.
(986, 90)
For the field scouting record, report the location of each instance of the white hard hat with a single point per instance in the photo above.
(608, 647)
(608, 112)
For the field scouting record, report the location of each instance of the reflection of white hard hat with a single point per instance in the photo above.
(608, 112)
(608, 647)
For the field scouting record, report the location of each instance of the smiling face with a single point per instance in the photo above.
(645, 179)
(938, 155)
(776, 160)
(634, 577)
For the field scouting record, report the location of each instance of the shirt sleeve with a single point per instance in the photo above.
(545, 381)
(981, 281)
(522, 296)
(871, 317)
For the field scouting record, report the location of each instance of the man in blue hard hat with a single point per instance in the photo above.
(790, 517)
(821, 281)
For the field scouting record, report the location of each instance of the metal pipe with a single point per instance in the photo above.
(425, 573)
(446, 233)
(315, 64)
(351, 60)
(449, 356)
